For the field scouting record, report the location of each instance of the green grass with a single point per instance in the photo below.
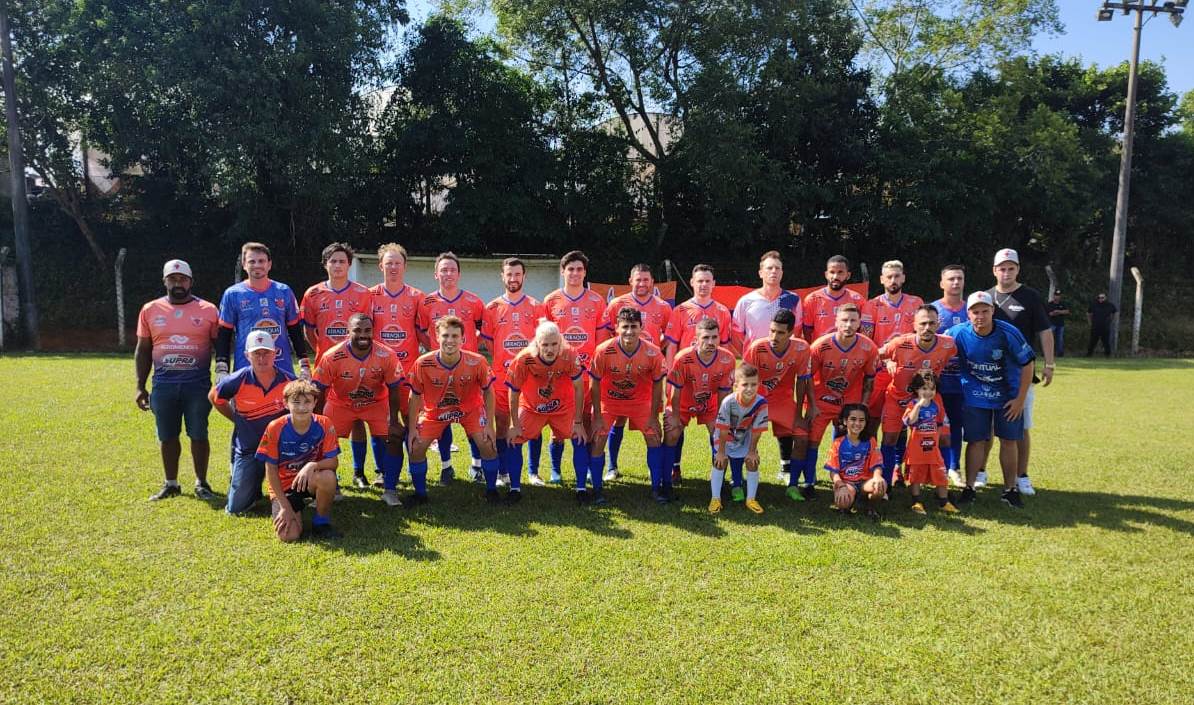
(1083, 597)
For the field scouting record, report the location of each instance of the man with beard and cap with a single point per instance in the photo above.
(175, 334)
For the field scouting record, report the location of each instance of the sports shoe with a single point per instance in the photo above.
(949, 508)
(794, 494)
(808, 491)
(535, 480)
(676, 476)
(754, 506)
(446, 475)
(339, 495)
(611, 475)
(513, 497)
(980, 480)
(1012, 499)
(503, 479)
(492, 496)
(203, 491)
(359, 481)
(414, 499)
(555, 479)
(391, 498)
(598, 500)
(659, 497)
(781, 477)
(379, 481)
(918, 508)
(956, 479)
(1025, 486)
(714, 505)
(168, 490)
(967, 496)
(325, 532)
(737, 494)
(582, 497)
(475, 474)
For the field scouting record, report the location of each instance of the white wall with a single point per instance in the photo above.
(478, 275)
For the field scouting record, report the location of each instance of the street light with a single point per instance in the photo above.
(1175, 9)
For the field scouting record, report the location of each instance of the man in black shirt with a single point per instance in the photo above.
(1057, 312)
(1024, 308)
(1101, 312)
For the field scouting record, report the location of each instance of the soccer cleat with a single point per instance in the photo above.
(795, 494)
(918, 508)
(754, 506)
(659, 497)
(714, 505)
(492, 496)
(956, 479)
(949, 508)
(611, 475)
(808, 491)
(475, 474)
(1025, 486)
(967, 496)
(1012, 499)
(379, 481)
(980, 480)
(325, 532)
(555, 479)
(391, 498)
(414, 499)
(582, 497)
(513, 497)
(598, 500)
(503, 479)
(535, 480)
(203, 491)
(446, 475)
(737, 494)
(168, 490)
(359, 481)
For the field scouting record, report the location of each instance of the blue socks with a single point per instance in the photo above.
(889, 463)
(534, 453)
(667, 457)
(359, 454)
(445, 446)
(581, 462)
(379, 451)
(810, 462)
(489, 468)
(319, 519)
(512, 464)
(391, 465)
(655, 457)
(418, 477)
(473, 450)
(736, 479)
(596, 466)
(557, 456)
(615, 443)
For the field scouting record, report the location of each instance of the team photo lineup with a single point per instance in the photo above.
(912, 393)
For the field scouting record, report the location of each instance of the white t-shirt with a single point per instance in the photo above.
(753, 313)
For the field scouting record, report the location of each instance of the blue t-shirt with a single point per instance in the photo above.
(951, 379)
(254, 405)
(990, 363)
(245, 310)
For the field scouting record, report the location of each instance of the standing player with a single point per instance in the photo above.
(741, 420)
(325, 310)
(451, 385)
(395, 307)
(699, 378)
(508, 327)
(951, 310)
(820, 306)
(360, 382)
(250, 398)
(885, 317)
(996, 365)
(627, 373)
(451, 300)
(783, 364)
(926, 422)
(174, 339)
(906, 356)
(259, 303)
(843, 365)
(546, 388)
(1024, 308)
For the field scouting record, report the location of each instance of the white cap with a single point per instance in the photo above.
(176, 266)
(259, 340)
(979, 297)
(1007, 254)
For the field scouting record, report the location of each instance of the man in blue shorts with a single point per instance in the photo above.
(996, 369)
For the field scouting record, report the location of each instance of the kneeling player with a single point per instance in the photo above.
(926, 422)
(362, 381)
(699, 378)
(300, 454)
(627, 373)
(546, 387)
(741, 419)
(451, 385)
(855, 464)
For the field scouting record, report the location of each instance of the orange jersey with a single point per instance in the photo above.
(884, 319)
(699, 383)
(910, 359)
(451, 388)
(326, 311)
(778, 372)
(394, 320)
(358, 382)
(467, 306)
(626, 378)
(579, 320)
(681, 325)
(508, 328)
(655, 310)
(284, 446)
(820, 309)
(546, 388)
(838, 373)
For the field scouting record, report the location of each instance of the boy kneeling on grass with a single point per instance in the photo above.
(926, 422)
(299, 451)
(741, 420)
(855, 463)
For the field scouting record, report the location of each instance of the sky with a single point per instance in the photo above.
(1102, 43)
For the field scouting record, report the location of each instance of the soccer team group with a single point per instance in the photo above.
(394, 368)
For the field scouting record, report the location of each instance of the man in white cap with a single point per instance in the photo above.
(175, 335)
(250, 398)
(996, 370)
(1024, 308)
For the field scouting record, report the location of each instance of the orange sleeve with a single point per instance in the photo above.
(331, 444)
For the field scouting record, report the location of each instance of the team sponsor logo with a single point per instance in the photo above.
(323, 305)
(471, 362)
(515, 342)
(838, 384)
(575, 335)
(159, 321)
(180, 339)
(449, 399)
(996, 354)
(451, 416)
(361, 396)
(178, 361)
(245, 303)
(771, 384)
(337, 330)
(280, 303)
(618, 395)
(548, 407)
(269, 326)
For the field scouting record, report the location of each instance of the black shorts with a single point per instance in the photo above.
(298, 500)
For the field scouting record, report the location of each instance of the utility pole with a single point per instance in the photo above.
(20, 204)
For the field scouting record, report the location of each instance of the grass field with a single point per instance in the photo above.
(1083, 597)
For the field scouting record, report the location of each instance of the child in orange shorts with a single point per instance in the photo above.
(926, 421)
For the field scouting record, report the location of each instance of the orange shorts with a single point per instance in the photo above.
(376, 416)
(820, 422)
(782, 415)
(878, 394)
(430, 426)
(704, 418)
(638, 421)
(926, 474)
(893, 412)
(533, 423)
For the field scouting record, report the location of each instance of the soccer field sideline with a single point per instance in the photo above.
(1083, 597)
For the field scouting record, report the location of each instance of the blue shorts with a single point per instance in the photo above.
(174, 402)
(977, 424)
